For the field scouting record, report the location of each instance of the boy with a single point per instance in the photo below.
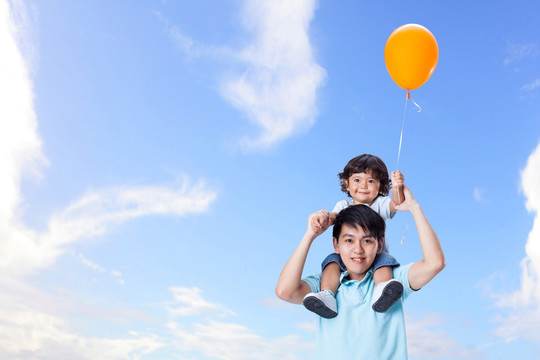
(365, 180)
(358, 236)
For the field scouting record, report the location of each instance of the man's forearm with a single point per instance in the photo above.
(431, 247)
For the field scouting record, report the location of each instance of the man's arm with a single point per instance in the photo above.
(290, 286)
(421, 272)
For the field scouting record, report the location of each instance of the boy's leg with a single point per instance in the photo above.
(382, 274)
(324, 302)
(387, 290)
(330, 277)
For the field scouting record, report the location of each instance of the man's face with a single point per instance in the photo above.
(357, 250)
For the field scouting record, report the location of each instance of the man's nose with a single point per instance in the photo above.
(358, 248)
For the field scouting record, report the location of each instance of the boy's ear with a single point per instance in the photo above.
(336, 249)
(380, 245)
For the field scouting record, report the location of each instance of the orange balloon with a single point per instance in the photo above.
(411, 55)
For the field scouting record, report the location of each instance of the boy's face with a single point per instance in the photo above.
(357, 250)
(363, 187)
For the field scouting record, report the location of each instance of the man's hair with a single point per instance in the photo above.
(360, 215)
(365, 163)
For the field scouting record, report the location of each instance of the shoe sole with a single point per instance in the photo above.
(391, 293)
(317, 306)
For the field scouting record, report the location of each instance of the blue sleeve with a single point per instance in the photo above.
(401, 273)
(314, 282)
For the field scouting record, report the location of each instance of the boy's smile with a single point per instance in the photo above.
(357, 250)
(363, 187)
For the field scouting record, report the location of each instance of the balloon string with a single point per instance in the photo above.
(399, 152)
(401, 134)
(403, 124)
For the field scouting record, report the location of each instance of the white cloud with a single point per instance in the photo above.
(24, 333)
(230, 341)
(277, 87)
(523, 306)
(20, 145)
(32, 322)
(277, 90)
(427, 339)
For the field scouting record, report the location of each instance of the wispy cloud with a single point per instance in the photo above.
(276, 86)
(24, 250)
(479, 194)
(533, 85)
(523, 306)
(115, 274)
(230, 341)
(427, 339)
(33, 323)
(515, 52)
(190, 302)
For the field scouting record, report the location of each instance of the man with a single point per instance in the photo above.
(358, 332)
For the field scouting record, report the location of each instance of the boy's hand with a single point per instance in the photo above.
(397, 178)
(318, 222)
(398, 196)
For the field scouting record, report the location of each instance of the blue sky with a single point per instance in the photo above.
(160, 159)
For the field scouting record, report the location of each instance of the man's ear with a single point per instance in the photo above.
(336, 249)
(380, 245)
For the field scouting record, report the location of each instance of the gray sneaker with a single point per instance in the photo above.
(322, 303)
(386, 294)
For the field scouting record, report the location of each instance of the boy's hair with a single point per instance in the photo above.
(365, 163)
(362, 215)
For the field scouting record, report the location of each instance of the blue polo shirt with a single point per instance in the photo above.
(359, 332)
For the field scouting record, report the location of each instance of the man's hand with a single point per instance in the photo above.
(408, 202)
(318, 222)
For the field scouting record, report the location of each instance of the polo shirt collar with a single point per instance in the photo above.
(344, 278)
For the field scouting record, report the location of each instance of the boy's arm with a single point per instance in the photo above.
(290, 286)
(421, 272)
(397, 190)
